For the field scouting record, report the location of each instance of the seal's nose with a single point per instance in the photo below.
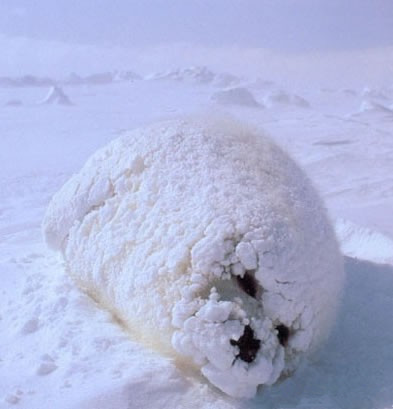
(247, 344)
(283, 334)
(248, 284)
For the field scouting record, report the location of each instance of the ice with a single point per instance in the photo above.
(196, 75)
(368, 106)
(361, 242)
(56, 96)
(280, 97)
(235, 96)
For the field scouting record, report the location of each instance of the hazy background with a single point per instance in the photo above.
(47, 37)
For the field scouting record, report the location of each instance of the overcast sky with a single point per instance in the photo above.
(284, 25)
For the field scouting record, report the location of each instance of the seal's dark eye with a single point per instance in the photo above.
(248, 284)
(282, 334)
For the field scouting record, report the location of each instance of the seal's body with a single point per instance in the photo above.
(207, 239)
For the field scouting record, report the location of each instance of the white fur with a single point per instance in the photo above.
(158, 224)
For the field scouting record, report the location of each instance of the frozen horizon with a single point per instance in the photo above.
(371, 67)
(301, 42)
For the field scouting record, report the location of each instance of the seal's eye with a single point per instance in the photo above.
(247, 344)
(282, 334)
(248, 284)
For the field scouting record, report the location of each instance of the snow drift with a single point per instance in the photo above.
(364, 243)
(56, 95)
(205, 240)
(368, 107)
(283, 98)
(235, 96)
(375, 94)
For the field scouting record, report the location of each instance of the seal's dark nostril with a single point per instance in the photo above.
(248, 284)
(247, 344)
(282, 334)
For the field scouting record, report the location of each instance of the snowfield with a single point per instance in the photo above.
(60, 349)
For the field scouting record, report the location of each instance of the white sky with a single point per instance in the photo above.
(292, 40)
(284, 25)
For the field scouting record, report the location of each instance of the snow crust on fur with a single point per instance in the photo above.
(160, 225)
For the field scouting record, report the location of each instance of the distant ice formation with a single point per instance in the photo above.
(262, 84)
(374, 94)
(223, 80)
(281, 97)
(207, 241)
(56, 96)
(235, 96)
(349, 92)
(196, 75)
(102, 78)
(125, 76)
(98, 78)
(26, 81)
(373, 108)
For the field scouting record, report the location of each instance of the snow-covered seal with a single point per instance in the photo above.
(205, 239)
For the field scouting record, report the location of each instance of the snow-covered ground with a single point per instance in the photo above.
(57, 349)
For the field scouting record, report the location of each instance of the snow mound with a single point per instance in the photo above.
(206, 241)
(224, 80)
(372, 93)
(98, 78)
(349, 92)
(368, 107)
(364, 243)
(281, 97)
(235, 96)
(126, 76)
(56, 96)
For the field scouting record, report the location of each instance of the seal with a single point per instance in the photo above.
(205, 237)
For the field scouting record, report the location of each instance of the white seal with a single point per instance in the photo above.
(205, 239)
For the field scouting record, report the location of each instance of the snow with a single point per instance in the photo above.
(235, 96)
(196, 75)
(280, 97)
(14, 103)
(376, 94)
(361, 242)
(26, 81)
(45, 321)
(368, 107)
(56, 96)
(99, 78)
